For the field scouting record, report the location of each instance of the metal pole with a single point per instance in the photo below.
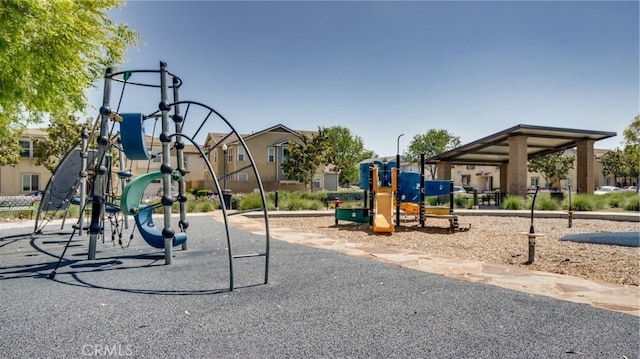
(83, 177)
(570, 211)
(166, 169)
(178, 120)
(123, 184)
(532, 232)
(422, 190)
(398, 181)
(97, 187)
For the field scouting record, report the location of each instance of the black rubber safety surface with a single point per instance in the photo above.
(317, 303)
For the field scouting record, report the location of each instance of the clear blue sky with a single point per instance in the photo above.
(388, 68)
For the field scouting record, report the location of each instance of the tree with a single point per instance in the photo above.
(632, 149)
(51, 52)
(305, 159)
(348, 152)
(554, 165)
(63, 135)
(432, 143)
(632, 133)
(624, 164)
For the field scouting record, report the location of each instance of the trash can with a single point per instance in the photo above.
(226, 197)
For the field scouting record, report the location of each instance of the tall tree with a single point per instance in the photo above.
(552, 166)
(431, 143)
(613, 163)
(632, 149)
(348, 152)
(306, 158)
(632, 133)
(51, 52)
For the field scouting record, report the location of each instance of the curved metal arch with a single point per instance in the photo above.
(114, 76)
(224, 209)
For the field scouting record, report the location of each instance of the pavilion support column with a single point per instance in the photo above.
(443, 170)
(517, 172)
(586, 166)
(504, 177)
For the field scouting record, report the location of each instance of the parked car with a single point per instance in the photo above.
(630, 188)
(459, 189)
(607, 189)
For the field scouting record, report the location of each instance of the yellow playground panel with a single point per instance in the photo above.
(414, 209)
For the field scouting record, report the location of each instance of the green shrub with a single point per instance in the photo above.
(600, 202)
(546, 203)
(203, 193)
(583, 202)
(633, 204)
(432, 201)
(208, 206)
(618, 200)
(460, 201)
(314, 196)
(251, 201)
(294, 204)
(514, 202)
(192, 206)
(314, 205)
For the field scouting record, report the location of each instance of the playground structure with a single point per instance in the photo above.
(390, 191)
(122, 136)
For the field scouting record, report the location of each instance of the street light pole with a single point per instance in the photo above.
(224, 166)
(398, 181)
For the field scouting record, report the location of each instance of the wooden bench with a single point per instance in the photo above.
(18, 203)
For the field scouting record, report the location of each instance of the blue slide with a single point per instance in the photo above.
(130, 203)
(150, 233)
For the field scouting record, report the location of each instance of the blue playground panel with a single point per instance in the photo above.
(384, 173)
(436, 188)
(409, 187)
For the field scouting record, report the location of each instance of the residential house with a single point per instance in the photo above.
(269, 148)
(26, 176)
(193, 162)
(487, 178)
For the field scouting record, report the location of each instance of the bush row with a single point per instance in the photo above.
(294, 201)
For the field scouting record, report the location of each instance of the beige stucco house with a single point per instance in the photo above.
(268, 148)
(26, 176)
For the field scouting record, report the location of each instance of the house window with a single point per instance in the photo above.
(535, 182)
(466, 180)
(230, 155)
(271, 154)
(243, 177)
(27, 148)
(30, 182)
(215, 157)
(240, 154)
(471, 167)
